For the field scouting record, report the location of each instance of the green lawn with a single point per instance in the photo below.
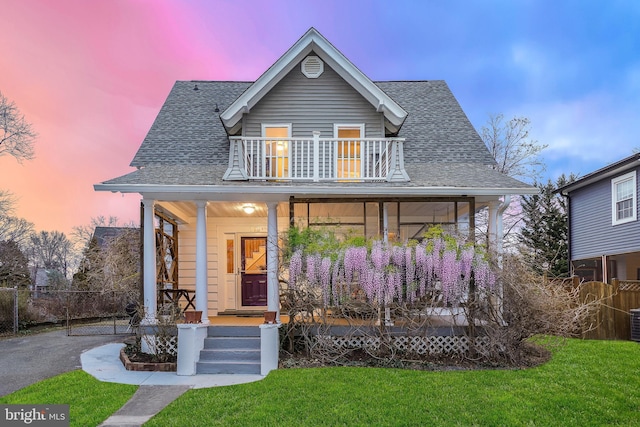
(90, 401)
(586, 383)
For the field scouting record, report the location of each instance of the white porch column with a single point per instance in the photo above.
(495, 226)
(273, 293)
(150, 291)
(201, 261)
(492, 227)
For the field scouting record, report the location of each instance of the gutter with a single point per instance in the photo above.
(311, 190)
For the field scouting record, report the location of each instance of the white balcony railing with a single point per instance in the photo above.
(316, 159)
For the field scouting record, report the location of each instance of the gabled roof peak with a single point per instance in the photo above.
(312, 40)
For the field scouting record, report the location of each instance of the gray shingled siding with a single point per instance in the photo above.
(592, 234)
(313, 105)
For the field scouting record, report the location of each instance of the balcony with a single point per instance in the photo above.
(316, 159)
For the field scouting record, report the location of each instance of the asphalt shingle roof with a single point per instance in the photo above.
(188, 145)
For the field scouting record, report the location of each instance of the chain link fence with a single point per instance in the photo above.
(82, 312)
(8, 311)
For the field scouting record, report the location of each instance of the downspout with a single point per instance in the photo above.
(499, 237)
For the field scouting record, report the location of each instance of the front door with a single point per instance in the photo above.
(253, 271)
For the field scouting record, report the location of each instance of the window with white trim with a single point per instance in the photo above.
(624, 198)
(277, 149)
(348, 150)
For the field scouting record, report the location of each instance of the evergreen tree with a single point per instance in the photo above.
(544, 235)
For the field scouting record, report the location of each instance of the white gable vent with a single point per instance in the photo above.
(312, 67)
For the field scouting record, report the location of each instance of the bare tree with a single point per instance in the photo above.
(111, 264)
(51, 250)
(516, 154)
(7, 202)
(12, 228)
(16, 134)
(15, 229)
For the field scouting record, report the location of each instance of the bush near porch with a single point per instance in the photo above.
(438, 300)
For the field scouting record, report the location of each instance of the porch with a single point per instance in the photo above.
(213, 256)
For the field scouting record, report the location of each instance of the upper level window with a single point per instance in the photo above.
(349, 150)
(623, 198)
(277, 150)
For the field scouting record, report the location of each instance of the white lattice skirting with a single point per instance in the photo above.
(416, 345)
(165, 344)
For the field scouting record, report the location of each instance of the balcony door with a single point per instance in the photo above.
(276, 150)
(349, 151)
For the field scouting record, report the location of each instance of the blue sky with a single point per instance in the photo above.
(92, 75)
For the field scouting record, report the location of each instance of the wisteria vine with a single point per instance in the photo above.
(388, 273)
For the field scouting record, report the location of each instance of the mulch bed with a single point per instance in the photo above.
(532, 355)
(134, 360)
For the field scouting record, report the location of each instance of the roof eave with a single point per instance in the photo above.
(314, 190)
(603, 173)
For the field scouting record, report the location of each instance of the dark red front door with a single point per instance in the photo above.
(254, 271)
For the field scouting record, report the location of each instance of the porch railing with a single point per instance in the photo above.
(316, 159)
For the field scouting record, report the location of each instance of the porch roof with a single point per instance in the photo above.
(428, 179)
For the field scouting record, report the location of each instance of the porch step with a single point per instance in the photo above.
(230, 350)
(232, 343)
(233, 331)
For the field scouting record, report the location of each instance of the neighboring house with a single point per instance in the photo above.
(227, 166)
(40, 281)
(103, 234)
(603, 222)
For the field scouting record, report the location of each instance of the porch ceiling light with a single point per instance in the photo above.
(248, 209)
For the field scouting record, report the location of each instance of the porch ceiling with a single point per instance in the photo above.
(184, 210)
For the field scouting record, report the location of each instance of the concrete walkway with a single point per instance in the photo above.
(147, 401)
(157, 389)
(29, 359)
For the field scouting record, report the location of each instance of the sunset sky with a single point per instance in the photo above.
(92, 75)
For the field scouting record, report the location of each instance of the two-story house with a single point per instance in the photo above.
(603, 222)
(228, 165)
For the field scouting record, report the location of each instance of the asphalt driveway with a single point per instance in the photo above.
(28, 359)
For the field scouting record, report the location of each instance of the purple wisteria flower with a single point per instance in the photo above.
(295, 268)
(410, 274)
(324, 276)
(466, 263)
(355, 261)
(450, 277)
(389, 274)
(379, 256)
(484, 277)
(313, 264)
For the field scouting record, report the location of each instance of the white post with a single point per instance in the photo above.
(273, 294)
(492, 230)
(269, 346)
(316, 155)
(500, 228)
(201, 260)
(150, 291)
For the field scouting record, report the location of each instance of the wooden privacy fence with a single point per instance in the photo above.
(612, 320)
